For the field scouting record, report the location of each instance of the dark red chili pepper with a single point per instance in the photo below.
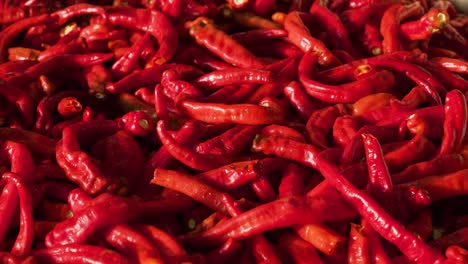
(72, 47)
(320, 123)
(222, 45)
(69, 107)
(299, 99)
(299, 34)
(322, 237)
(138, 123)
(253, 36)
(431, 85)
(279, 213)
(354, 19)
(132, 244)
(380, 185)
(84, 223)
(191, 187)
(49, 105)
(437, 166)
(262, 250)
(457, 237)
(79, 254)
(54, 64)
(216, 79)
(23, 243)
(344, 93)
(9, 33)
(21, 99)
(246, 114)
(229, 143)
(224, 253)
(371, 39)
(78, 165)
(187, 155)
(345, 128)
(292, 181)
(423, 28)
(173, 86)
(358, 246)
(422, 224)
(130, 60)
(442, 186)
(170, 248)
(390, 24)
(456, 118)
(127, 102)
(21, 160)
(8, 205)
(337, 33)
(376, 250)
(298, 250)
(452, 64)
(384, 224)
(411, 100)
(65, 14)
(152, 21)
(38, 144)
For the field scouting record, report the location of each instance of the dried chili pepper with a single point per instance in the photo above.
(138, 123)
(456, 118)
(79, 254)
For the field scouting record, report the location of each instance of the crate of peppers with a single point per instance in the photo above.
(245, 131)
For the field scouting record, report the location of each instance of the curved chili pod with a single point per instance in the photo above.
(80, 9)
(152, 21)
(455, 123)
(300, 35)
(344, 93)
(79, 254)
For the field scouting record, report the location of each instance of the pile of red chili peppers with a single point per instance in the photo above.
(246, 131)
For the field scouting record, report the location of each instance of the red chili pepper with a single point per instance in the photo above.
(457, 237)
(166, 243)
(372, 40)
(20, 53)
(222, 45)
(423, 28)
(320, 124)
(130, 60)
(54, 211)
(299, 34)
(224, 253)
(358, 246)
(72, 47)
(343, 93)
(253, 36)
(187, 155)
(376, 250)
(337, 32)
(456, 254)
(152, 21)
(23, 243)
(173, 86)
(298, 250)
(65, 14)
(12, 31)
(21, 99)
(456, 118)
(380, 183)
(277, 214)
(78, 165)
(38, 144)
(21, 160)
(443, 186)
(345, 128)
(126, 102)
(411, 246)
(437, 166)
(216, 79)
(132, 244)
(250, 20)
(262, 250)
(191, 187)
(292, 181)
(70, 61)
(138, 123)
(452, 64)
(69, 106)
(283, 131)
(322, 237)
(84, 223)
(246, 114)
(390, 24)
(299, 99)
(8, 206)
(79, 254)
(229, 143)
(422, 224)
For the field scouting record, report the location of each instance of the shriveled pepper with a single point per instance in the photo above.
(79, 254)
